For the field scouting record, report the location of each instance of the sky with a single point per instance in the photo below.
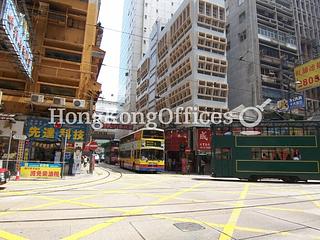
(111, 18)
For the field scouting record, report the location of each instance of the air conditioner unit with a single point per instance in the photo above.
(37, 98)
(79, 103)
(59, 101)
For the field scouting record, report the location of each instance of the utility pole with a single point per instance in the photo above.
(64, 154)
(9, 148)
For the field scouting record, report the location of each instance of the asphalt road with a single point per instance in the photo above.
(115, 204)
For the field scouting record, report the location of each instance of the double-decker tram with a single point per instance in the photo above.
(143, 150)
(114, 152)
(286, 150)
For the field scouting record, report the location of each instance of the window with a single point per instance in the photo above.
(243, 36)
(145, 16)
(277, 154)
(242, 17)
(223, 154)
(63, 55)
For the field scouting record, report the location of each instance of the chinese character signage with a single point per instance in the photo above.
(297, 102)
(308, 75)
(40, 170)
(40, 130)
(204, 140)
(16, 29)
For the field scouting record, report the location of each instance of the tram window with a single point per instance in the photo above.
(223, 153)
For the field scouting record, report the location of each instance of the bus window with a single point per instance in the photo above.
(154, 134)
(151, 154)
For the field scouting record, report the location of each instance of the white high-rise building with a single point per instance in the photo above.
(186, 65)
(138, 18)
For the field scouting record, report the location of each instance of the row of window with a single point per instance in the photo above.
(180, 26)
(180, 73)
(212, 66)
(180, 51)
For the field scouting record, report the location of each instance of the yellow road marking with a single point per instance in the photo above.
(229, 228)
(112, 221)
(312, 198)
(10, 236)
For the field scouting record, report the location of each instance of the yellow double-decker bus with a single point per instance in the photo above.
(143, 150)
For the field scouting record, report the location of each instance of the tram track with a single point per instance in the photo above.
(63, 188)
(253, 206)
(168, 204)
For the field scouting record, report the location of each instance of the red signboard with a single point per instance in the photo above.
(204, 139)
(174, 138)
(92, 146)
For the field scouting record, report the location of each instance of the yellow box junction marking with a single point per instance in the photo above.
(10, 236)
(229, 228)
(112, 221)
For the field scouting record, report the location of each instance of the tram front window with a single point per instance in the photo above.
(152, 154)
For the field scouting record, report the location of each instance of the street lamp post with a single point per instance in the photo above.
(64, 154)
(9, 148)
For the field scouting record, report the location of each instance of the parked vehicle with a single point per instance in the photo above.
(4, 176)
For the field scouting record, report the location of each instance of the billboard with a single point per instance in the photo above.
(40, 170)
(308, 75)
(38, 129)
(16, 30)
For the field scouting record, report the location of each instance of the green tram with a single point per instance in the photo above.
(286, 150)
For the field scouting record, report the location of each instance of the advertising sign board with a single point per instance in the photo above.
(204, 139)
(297, 102)
(16, 29)
(308, 75)
(40, 170)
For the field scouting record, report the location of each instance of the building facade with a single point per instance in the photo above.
(50, 56)
(60, 60)
(186, 66)
(307, 22)
(191, 61)
(138, 18)
(262, 51)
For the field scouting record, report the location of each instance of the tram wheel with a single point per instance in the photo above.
(291, 179)
(253, 179)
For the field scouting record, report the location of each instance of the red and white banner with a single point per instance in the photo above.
(204, 139)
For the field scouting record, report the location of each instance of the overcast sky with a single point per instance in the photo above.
(111, 18)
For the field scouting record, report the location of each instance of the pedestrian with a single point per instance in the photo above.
(174, 165)
(169, 164)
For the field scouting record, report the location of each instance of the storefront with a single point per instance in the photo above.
(203, 150)
(177, 146)
(194, 144)
(45, 142)
(9, 130)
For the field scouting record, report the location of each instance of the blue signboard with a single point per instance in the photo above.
(39, 129)
(296, 102)
(17, 31)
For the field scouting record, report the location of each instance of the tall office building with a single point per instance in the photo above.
(138, 19)
(189, 61)
(262, 50)
(307, 17)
